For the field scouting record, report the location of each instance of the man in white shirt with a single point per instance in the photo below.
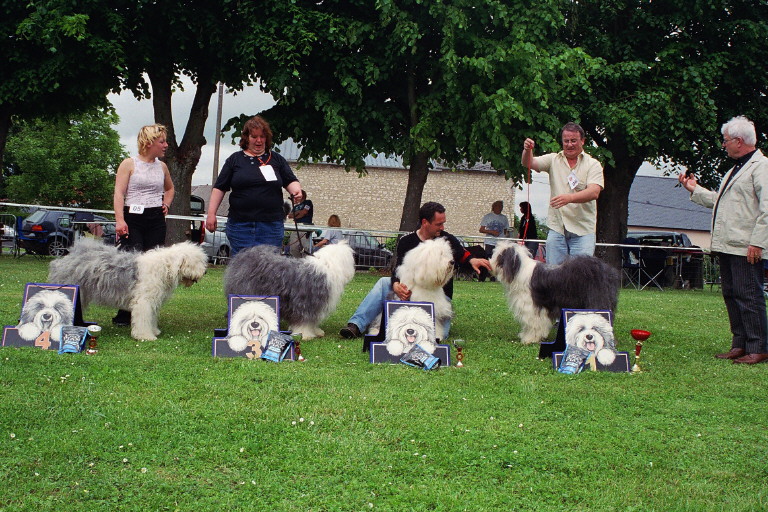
(575, 182)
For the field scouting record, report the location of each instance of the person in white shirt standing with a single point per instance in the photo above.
(575, 182)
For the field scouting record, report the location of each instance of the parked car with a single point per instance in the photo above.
(52, 232)
(216, 244)
(661, 238)
(369, 251)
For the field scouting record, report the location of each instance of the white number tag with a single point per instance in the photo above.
(268, 172)
(136, 208)
(573, 181)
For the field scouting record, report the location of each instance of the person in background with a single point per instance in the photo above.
(301, 241)
(575, 182)
(494, 225)
(143, 195)
(527, 229)
(739, 239)
(255, 178)
(331, 236)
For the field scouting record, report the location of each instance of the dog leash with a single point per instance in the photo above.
(528, 188)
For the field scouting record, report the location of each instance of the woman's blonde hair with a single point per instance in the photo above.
(149, 134)
(334, 221)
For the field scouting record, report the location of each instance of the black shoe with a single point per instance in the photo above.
(122, 318)
(350, 331)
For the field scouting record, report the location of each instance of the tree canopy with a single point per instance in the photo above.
(65, 162)
(58, 58)
(671, 73)
(459, 82)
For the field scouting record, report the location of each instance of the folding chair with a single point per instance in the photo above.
(20, 237)
(652, 265)
(630, 264)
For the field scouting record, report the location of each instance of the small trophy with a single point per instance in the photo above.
(640, 336)
(297, 346)
(93, 334)
(459, 344)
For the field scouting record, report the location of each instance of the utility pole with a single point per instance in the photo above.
(217, 143)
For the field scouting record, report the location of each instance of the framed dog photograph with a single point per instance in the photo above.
(589, 343)
(558, 345)
(406, 324)
(46, 308)
(253, 322)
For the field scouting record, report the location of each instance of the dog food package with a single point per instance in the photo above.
(573, 359)
(420, 358)
(72, 339)
(278, 345)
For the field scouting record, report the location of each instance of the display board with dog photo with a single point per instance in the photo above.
(46, 308)
(253, 330)
(589, 343)
(408, 326)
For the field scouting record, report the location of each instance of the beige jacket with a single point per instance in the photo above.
(742, 213)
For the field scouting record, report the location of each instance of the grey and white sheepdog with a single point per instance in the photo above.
(134, 281)
(536, 292)
(47, 310)
(309, 288)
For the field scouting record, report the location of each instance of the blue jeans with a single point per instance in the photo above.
(561, 246)
(242, 235)
(373, 305)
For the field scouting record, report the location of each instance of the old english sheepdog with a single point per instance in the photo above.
(47, 310)
(594, 333)
(409, 326)
(133, 281)
(537, 291)
(309, 288)
(251, 322)
(425, 270)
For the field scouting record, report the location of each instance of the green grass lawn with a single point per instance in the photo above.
(163, 426)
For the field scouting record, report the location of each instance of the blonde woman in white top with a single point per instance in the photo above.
(143, 195)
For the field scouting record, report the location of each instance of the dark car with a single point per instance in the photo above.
(52, 232)
(369, 251)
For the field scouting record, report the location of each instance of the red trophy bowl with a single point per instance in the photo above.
(640, 336)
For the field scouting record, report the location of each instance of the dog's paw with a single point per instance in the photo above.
(143, 336)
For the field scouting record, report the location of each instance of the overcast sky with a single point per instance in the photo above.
(135, 114)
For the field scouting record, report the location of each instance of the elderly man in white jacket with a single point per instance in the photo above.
(739, 237)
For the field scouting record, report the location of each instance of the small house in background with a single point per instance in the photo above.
(660, 204)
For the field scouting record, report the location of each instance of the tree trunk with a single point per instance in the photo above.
(5, 128)
(613, 204)
(417, 178)
(181, 158)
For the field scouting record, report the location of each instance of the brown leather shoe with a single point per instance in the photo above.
(350, 331)
(751, 359)
(734, 353)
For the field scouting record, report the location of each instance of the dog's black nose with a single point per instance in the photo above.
(255, 325)
(589, 337)
(47, 317)
(410, 332)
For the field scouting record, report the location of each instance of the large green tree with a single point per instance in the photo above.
(456, 81)
(672, 72)
(210, 41)
(58, 57)
(65, 162)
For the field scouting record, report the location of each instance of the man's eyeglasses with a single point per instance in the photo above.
(726, 141)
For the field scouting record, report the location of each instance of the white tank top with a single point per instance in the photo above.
(145, 186)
